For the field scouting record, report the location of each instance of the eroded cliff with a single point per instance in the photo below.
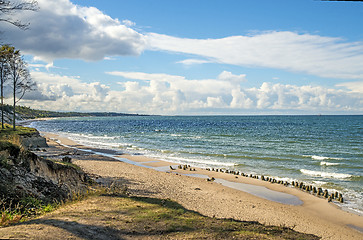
(23, 173)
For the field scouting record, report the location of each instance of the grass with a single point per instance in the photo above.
(144, 216)
(30, 207)
(112, 208)
(19, 130)
(13, 136)
(168, 218)
(69, 164)
(24, 209)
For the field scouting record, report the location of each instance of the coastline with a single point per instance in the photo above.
(315, 215)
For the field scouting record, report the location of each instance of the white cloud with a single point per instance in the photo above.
(224, 83)
(109, 58)
(353, 86)
(64, 93)
(304, 98)
(228, 76)
(61, 29)
(40, 65)
(171, 94)
(128, 23)
(312, 54)
(189, 62)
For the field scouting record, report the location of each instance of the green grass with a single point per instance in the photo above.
(19, 130)
(25, 208)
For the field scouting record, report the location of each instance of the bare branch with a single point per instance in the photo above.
(8, 8)
(16, 23)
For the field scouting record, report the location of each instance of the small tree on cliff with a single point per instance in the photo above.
(19, 77)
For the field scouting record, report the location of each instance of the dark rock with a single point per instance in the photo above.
(67, 159)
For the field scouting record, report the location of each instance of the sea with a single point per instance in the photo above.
(324, 151)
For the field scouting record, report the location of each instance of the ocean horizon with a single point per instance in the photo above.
(324, 151)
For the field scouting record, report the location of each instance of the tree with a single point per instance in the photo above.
(19, 76)
(8, 8)
(4, 52)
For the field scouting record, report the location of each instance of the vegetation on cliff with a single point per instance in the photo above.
(29, 113)
(8, 131)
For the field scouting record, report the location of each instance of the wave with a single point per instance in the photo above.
(325, 174)
(93, 141)
(203, 162)
(320, 158)
(329, 164)
(91, 136)
(176, 135)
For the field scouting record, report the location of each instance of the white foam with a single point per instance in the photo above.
(201, 162)
(176, 135)
(91, 141)
(325, 174)
(320, 158)
(319, 183)
(329, 164)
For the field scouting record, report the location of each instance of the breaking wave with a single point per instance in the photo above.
(315, 157)
(328, 164)
(325, 174)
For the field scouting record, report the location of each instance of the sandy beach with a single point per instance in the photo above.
(153, 178)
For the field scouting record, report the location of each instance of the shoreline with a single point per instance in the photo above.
(315, 215)
(265, 189)
(339, 175)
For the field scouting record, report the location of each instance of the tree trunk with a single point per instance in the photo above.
(2, 104)
(14, 95)
(3, 75)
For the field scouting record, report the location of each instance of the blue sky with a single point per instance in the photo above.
(194, 57)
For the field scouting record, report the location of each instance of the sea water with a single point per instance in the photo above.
(325, 151)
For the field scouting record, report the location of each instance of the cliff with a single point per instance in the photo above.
(23, 173)
(31, 140)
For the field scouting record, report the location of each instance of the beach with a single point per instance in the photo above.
(193, 191)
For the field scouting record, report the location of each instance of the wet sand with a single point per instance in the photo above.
(154, 178)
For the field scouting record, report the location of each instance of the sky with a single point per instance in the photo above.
(193, 57)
